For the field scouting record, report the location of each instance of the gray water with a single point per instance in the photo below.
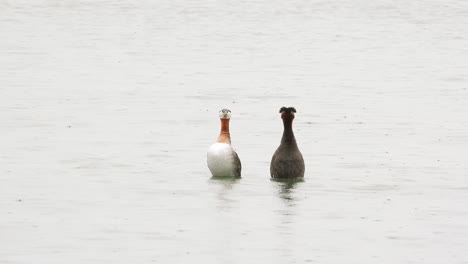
(107, 109)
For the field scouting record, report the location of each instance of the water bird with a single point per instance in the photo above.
(287, 161)
(223, 161)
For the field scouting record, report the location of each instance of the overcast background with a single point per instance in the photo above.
(107, 109)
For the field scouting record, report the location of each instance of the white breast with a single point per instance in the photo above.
(221, 159)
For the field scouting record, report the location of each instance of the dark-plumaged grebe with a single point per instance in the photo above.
(222, 159)
(287, 162)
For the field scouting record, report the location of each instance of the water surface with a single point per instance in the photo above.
(107, 109)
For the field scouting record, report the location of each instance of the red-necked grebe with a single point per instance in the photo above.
(222, 159)
(287, 162)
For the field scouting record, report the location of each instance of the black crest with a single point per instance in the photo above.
(287, 109)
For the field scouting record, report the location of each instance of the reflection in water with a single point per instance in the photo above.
(287, 219)
(286, 187)
(226, 184)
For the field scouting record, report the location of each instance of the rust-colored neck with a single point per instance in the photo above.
(224, 136)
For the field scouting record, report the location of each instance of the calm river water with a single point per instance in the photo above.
(107, 109)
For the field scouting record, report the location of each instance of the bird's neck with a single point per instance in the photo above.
(224, 136)
(288, 134)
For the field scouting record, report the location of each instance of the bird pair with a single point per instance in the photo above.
(286, 163)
